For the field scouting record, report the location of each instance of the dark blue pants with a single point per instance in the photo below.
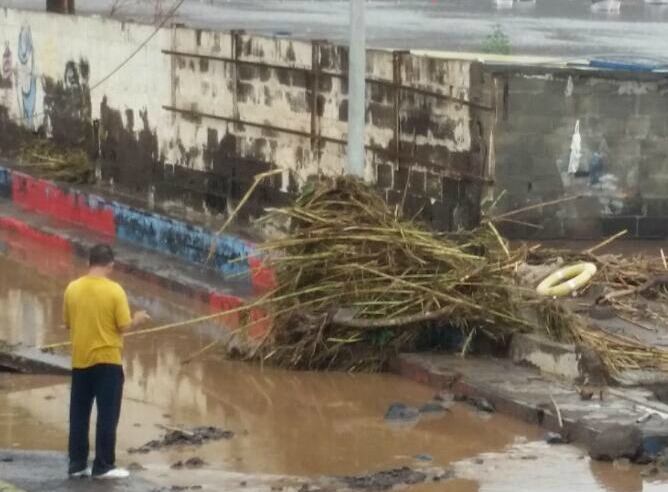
(104, 384)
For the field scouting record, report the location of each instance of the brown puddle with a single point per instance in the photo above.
(288, 423)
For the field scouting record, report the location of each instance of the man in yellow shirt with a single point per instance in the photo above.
(96, 312)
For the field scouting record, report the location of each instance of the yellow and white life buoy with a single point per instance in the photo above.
(566, 280)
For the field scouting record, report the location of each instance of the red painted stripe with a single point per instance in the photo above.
(47, 198)
(27, 231)
(263, 278)
(258, 322)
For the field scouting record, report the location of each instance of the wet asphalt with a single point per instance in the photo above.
(46, 471)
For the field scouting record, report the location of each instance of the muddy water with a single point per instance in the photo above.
(284, 422)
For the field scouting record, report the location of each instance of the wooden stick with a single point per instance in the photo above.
(663, 258)
(193, 356)
(168, 326)
(556, 408)
(537, 205)
(634, 322)
(499, 238)
(256, 181)
(520, 222)
(605, 242)
(174, 429)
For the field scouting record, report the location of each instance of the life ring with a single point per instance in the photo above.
(566, 280)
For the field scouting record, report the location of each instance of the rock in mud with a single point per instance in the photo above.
(423, 457)
(617, 441)
(483, 404)
(190, 463)
(432, 407)
(192, 437)
(385, 480)
(399, 412)
(445, 397)
(135, 467)
(555, 438)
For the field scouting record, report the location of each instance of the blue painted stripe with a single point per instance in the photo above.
(5, 183)
(189, 242)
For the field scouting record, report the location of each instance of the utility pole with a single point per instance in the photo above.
(356, 89)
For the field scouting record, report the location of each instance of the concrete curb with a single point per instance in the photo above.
(528, 395)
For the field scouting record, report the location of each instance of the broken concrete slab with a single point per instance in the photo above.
(550, 357)
(31, 360)
(525, 393)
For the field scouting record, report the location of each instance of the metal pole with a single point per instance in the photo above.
(356, 89)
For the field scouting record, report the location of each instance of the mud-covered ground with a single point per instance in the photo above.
(224, 425)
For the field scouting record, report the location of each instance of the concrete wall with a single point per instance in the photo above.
(189, 120)
(622, 174)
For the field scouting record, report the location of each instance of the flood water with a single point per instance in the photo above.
(286, 423)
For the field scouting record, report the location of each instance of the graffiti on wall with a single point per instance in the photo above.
(7, 68)
(589, 171)
(26, 78)
(67, 104)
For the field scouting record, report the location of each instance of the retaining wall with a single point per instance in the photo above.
(233, 257)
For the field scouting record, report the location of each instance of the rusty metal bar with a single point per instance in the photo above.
(300, 133)
(396, 78)
(315, 90)
(417, 90)
(235, 48)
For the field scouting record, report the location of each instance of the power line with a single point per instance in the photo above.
(167, 17)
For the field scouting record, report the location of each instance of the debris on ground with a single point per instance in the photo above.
(135, 467)
(55, 161)
(178, 488)
(556, 438)
(400, 412)
(385, 480)
(423, 457)
(617, 441)
(482, 404)
(433, 407)
(357, 283)
(190, 463)
(181, 437)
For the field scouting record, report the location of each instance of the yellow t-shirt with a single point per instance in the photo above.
(94, 309)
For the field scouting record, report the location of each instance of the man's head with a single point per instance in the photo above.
(101, 258)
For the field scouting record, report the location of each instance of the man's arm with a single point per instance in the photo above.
(66, 314)
(139, 318)
(125, 322)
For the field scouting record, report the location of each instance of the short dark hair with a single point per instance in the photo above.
(100, 255)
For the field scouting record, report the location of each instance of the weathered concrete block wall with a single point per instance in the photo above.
(243, 104)
(195, 115)
(622, 173)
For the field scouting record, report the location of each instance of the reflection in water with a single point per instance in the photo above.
(285, 422)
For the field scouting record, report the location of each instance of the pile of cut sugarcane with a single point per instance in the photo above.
(356, 283)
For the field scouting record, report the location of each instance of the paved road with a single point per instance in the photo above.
(44, 471)
(565, 28)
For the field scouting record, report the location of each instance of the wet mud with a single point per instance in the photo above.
(386, 480)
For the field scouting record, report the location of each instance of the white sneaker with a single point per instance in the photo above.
(81, 474)
(114, 473)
